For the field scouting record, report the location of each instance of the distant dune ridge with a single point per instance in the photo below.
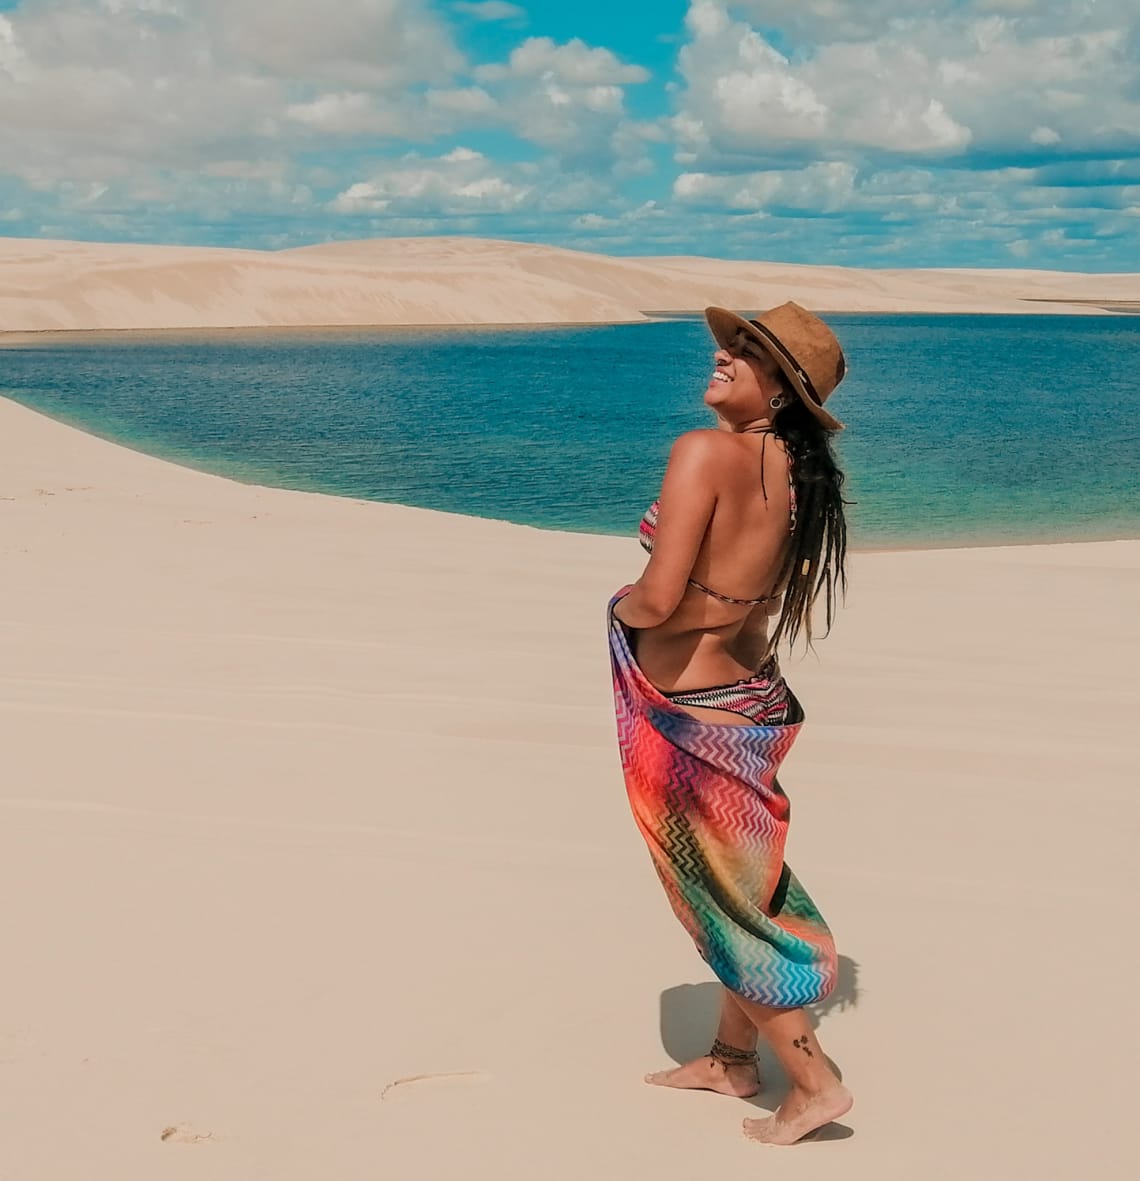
(46, 285)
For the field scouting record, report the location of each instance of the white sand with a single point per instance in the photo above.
(46, 285)
(304, 796)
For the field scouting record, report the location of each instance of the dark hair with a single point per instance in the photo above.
(817, 556)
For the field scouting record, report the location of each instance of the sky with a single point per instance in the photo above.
(883, 133)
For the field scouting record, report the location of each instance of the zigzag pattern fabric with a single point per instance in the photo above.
(706, 799)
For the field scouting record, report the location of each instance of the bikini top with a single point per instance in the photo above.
(648, 533)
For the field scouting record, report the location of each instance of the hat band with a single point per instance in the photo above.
(795, 366)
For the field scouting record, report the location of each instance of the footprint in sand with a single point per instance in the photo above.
(413, 1079)
(184, 1134)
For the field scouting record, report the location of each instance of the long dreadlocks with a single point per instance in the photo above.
(816, 563)
(817, 556)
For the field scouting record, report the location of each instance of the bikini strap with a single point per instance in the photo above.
(728, 598)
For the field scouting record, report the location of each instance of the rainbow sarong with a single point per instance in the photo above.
(707, 802)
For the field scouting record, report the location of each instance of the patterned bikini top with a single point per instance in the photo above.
(648, 534)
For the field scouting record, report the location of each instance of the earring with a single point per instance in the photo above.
(777, 403)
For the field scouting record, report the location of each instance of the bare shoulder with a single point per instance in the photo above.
(721, 453)
(704, 447)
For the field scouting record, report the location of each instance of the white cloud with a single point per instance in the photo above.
(98, 91)
(11, 55)
(573, 62)
(816, 22)
(942, 79)
(348, 113)
(490, 10)
(185, 101)
(464, 100)
(569, 98)
(256, 170)
(745, 96)
(593, 221)
(1045, 136)
(904, 216)
(819, 187)
(825, 129)
(464, 187)
(460, 183)
(356, 43)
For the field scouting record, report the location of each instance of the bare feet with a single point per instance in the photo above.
(800, 1114)
(707, 1074)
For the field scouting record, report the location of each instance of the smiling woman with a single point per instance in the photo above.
(704, 716)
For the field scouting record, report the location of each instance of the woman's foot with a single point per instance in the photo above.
(707, 1074)
(800, 1114)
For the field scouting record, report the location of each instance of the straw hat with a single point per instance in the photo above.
(801, 344)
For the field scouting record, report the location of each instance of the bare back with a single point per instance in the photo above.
(707, 640)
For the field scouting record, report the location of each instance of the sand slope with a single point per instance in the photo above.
(47, 285)
(303, 797)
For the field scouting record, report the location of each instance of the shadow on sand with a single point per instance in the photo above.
(688, 1021)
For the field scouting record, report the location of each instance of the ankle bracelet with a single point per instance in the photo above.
(728, 1055)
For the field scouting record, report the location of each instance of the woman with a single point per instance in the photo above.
(749, 529)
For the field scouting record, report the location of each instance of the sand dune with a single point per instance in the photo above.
(317, 864)
(47, 285)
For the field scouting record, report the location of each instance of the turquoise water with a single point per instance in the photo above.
(978, 429)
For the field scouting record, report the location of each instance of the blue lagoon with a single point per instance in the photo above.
(961, 429)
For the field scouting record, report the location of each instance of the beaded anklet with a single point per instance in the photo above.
(728, 1055)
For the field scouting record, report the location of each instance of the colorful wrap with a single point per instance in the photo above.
(707, 802)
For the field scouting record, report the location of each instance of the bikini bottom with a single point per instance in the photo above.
(763, 698)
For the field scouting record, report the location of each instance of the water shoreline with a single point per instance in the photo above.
(961, 435)
(224, 472)
(18, 336)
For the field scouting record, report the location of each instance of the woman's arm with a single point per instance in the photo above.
(688, 496)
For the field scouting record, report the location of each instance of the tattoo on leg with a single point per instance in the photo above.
(801, 1043)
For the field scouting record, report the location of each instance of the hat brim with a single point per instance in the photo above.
(725, 326)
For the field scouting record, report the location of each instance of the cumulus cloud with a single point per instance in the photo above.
(819, 187)
(179, 84)
(892, 118)
(888, 131)
(466, 185)
(99, 90)
(490, 10)
(1044, 136)
(463, 100)
(377, 43)
(746, 96)
(573, 63)
(942, 79)
(184, 100)
(346, 113)
(461, 182)
(907, 215)
(570, 99)
(810, 23)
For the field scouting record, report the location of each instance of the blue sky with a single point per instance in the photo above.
(889, 133)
